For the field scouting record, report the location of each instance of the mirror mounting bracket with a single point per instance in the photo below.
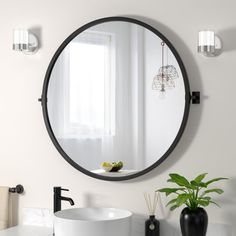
(195, 97)
(42, 99)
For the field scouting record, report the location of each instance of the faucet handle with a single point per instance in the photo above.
(58, 189)
(64, 189)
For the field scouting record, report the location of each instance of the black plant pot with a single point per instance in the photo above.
(193, 223)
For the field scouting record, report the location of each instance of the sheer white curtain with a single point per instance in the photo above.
(84, 115)
(97, 93)
(91, 88)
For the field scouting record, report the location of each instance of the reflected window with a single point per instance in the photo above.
(91, 86)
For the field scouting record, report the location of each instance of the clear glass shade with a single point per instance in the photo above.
(206, 38)
(20, 36)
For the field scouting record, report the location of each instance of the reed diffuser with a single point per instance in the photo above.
(152, 225)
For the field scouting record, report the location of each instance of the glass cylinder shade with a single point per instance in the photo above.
(20, 39)
(206, 38)
(206, 42)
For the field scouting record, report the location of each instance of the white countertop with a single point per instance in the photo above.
(28, 230)
(168, 228)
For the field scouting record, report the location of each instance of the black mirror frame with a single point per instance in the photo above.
(43, 99)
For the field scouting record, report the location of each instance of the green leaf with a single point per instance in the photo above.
(202, 185)
(214, 180)
(215, 190)
(203, 203)
(171, 202)
(182, 198)
(200, 177)
(205, 198)
(180, 180)
(170, 180)
(214, 203)
(173, 207)
(198, 184)
(168, 191)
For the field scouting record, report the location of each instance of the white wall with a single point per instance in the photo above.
(208, 144)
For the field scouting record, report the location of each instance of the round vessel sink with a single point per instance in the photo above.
(92, 221)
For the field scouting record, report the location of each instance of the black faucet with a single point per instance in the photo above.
(58, 198)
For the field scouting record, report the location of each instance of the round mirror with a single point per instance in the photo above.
(115, 98)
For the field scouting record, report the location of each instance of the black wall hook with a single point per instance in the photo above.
(18, 189)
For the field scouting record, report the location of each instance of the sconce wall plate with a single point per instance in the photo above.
(25, 41)
(209, 44)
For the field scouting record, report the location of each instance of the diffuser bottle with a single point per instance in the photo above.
(152, 226)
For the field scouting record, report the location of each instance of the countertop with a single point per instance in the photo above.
(28, 230)
(168, 228)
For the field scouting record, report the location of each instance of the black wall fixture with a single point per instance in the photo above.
(195, 97)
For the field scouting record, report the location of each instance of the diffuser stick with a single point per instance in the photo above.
(151, 204)
(154, 204)
(147, 203)
(156, 201)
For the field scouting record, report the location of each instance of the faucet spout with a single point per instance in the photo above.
(68, 199)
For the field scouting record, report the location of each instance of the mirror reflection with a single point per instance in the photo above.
(116, 94)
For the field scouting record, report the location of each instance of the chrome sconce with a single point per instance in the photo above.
(209, 44)
(25, 41)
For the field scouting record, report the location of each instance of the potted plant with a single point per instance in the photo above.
(195, 195)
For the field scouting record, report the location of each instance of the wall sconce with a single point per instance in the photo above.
(24, 41)
(208, 43)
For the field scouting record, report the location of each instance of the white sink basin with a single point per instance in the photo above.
(92, 221)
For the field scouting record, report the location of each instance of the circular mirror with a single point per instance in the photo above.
(115, 98)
